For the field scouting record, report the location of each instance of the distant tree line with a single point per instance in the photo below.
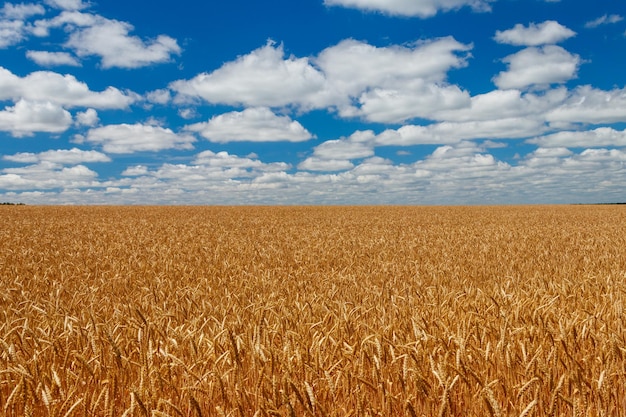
(12, 204)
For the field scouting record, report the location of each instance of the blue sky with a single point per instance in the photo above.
(313, 102)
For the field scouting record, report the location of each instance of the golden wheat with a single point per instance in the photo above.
(319, 311)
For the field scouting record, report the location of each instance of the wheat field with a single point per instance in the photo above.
(313, 311)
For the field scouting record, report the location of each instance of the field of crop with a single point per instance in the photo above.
(313, 311)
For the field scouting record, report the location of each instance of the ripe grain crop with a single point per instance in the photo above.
(313, 311)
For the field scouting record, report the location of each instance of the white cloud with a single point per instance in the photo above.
(60, 89)
(465, 159)
(225, 160)
(600, 137)
(21, 11)
(188, 113)
(416, 101)
(538, 66)
(327, 165)
(393, 84)
(13, 28)
(461, 173)
(87, 118)
(335, 155)
(11, 32)
(352, 66)
(559, 107)
(550, 152)
(506, 104)
(199, 177)
(49, 59)
(374, 168)
(548, 32)
(94, 35)
(257, 124)
(386, 84)
(262, 78)
(125, 138)
(604, 20)
(111, 42)
(586, 104)
(47, 175)
(161, 96)
(135, 171)
(27, 117)
(67, 4)
(72, 156)
(70, 20)
(357, 146)
(419, 8)
(209, 174)
(454, 132)
(546, 157)
(603, 155)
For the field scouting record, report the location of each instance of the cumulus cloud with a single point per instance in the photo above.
(112, 43)
(188, 113)
(257, 124)
(393, 84)
(64, 90)
(161, 96)
(88, 117)
(329, 165)
(604, 155)
(262, 78)
(604, 20)
(11, 32)
(383, 84)
(548, 32)
(465, 159)
(419, 100)
(94, 35)
(126, 138)
(352, 66)
(600, 137)
(538, 66)
(21, 11)
(47, 175)
(357, 146)
(460, 173)
(506, 104)
(335, 155)
(586, 104)
(417, 8)
(559, 108)
(454, 132)
(207, 174)
(72, 156)
(546, 157)
(67, 4)
(50, 59)
(13, 28)
(225, 160)
(135, 171)
(27, 117)
(69, 20)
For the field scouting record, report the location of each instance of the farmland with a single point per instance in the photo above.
(318, 311)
